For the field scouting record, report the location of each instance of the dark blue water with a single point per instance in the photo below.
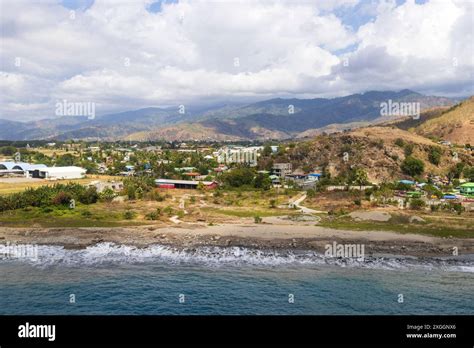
(107, 280)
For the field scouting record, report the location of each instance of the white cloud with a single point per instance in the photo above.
(122, 56)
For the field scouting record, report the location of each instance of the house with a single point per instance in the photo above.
(185, 169)
(297, 175)
(192, 174)
(467, 189)
(56, 173)
(407, 182)
(281, 169)
(152, 149)
(184, 184)
(275, 179)
(102, 168)
(314, 176)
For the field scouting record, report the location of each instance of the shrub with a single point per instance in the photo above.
(458, 208)
(417, 204)
(90, 196)
(399, 142)
(154, 215)
(168, 210)
(408, 150)
(86, 213)
(128, 215)
(154, 195)
(257, 219)
(62, 198)
(47, 210)
(107, 195)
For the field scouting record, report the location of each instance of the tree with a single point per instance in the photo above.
(8, 150)
(359, 177)
(434, 156)
(267, 150)
(468, 173)
(262, 181)
(65, 160)
(432, 191)
(456, 171)
(412, 166)
(238, 177)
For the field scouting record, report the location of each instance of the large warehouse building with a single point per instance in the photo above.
(184, 184)
(41, 171)
(57, 173)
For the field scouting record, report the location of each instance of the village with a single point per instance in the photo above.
(205, 183)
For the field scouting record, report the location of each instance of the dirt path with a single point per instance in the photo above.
(297, 203)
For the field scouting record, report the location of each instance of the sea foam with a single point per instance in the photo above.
(109, 253)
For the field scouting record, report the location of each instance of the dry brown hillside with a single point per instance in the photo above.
(455, 125)
(182, 132)
(378, 150)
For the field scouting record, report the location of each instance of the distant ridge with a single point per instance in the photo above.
(274, 118)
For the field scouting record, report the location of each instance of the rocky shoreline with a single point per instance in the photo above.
(249, 236)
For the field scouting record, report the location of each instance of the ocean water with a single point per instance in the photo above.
(111, 279)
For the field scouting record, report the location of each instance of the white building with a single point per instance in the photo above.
(56, 173)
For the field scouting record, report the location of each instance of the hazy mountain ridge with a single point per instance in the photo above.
(271, 118)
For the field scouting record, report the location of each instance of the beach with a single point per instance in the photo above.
(248, 235)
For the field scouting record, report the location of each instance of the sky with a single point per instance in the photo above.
(124, 55)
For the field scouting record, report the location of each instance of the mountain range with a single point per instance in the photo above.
(268, 119)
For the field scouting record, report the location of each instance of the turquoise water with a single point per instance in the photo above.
(107, 279)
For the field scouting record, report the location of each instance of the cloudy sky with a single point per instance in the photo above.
(130, 54)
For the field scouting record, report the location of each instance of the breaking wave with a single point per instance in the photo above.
(109, 253)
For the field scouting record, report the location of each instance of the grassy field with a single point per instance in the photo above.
(96, 215)
(188, 206)
(7, 187)
(434, 225)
